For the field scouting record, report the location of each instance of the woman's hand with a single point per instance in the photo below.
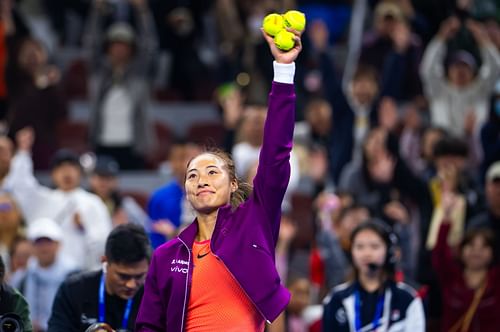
(284, 56)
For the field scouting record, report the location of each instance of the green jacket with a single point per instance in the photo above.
(11, 301)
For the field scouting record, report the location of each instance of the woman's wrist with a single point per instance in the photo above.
(284, 72)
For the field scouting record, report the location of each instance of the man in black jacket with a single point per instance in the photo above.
(111, 295)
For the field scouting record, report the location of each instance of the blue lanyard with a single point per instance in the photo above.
(378, 311)
(102, 310)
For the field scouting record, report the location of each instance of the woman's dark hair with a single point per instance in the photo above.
(486, 234)
(387, 235)
(128, 244)
(450, 145)
(244, 189)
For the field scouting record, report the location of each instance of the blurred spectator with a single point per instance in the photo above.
(459, 92)
(104, 183)
(410, 139)
(490, 135)
(355, 109)
(110, 295)
(450, 160)
(250, 133)
(430, 137)
(334, 244)
(300, 315)
(388, 115)
(20, 252)
(11, 301)
(491, 217)
(392, 33)
(183, 32)
(469, 285)
(231, 41)
(35, 97)
(82, 215)
(168, 208)
(369, 302)
(10, 225)
(230, 99)
(5, 25)
(314, 136)
(45, 272)
(6, 153)
(383, 182)
(12, 27)
(121, 65)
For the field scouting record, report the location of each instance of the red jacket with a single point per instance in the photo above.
(457, 297)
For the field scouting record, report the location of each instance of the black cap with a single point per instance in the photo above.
(64, 156)
(106, 166)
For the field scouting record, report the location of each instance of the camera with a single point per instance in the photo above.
(11, 322)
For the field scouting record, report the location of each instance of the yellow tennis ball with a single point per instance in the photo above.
(272, 24)
(295, 20)
(284, 40)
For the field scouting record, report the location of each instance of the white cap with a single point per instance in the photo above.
(493, 171)
(44, 228)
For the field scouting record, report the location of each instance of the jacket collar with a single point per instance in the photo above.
(188, 235)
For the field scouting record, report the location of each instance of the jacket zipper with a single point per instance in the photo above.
(244, 291)
(186, 288)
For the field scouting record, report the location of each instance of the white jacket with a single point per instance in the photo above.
(83, 246)
(449, 105)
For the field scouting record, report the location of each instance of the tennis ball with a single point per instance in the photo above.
(284, 40)
(272, 24)
(295, 20)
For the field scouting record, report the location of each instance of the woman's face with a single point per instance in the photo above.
(300, 299)
(368, 248)
(477, 254)
(20, 256)
(31, 56)
(375, 143)
(208, 184)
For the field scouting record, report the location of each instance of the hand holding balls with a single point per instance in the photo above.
(275, 25)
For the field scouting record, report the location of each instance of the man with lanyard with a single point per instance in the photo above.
(111, 295)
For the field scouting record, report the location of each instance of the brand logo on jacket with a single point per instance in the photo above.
(179, 266)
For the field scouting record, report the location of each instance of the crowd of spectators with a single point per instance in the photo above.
(398, 118)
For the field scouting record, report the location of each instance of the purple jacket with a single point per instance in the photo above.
(243, 239)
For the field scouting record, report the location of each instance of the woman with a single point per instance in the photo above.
(469, 286)
(11, 225)
(36, 97)
(373, 301)
(219, 273)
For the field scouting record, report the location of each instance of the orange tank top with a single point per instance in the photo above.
(217, 302)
